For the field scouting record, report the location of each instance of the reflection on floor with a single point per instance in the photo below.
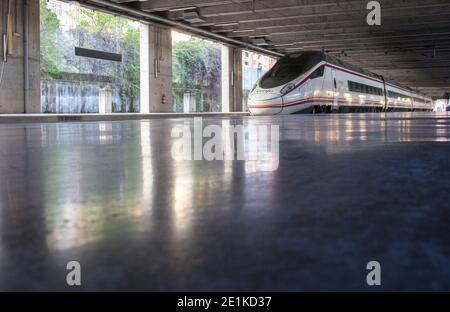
(348, 189)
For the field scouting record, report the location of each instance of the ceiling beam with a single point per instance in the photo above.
(165, 5)
(300, 16)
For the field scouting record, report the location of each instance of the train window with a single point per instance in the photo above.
(362, 88)
(289, 67)
(419, 100)
(398, 96)
(317, 73)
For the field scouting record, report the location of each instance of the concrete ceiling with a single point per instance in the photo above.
(412, 45)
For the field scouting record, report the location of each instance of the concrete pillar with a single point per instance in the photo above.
(189, 102)
(16, 96)
(156, 69)
(227, 96)
(237, 81)
(144, 54)
(231, 79)
(105, 100)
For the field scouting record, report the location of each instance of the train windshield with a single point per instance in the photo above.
(290, 67)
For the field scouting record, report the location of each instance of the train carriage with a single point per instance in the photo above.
(314, 82)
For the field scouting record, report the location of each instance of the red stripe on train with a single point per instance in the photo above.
(309, 100)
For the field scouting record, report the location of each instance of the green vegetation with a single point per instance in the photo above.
(94, 30)
(49, 51)
(196, 62)
(197, 68)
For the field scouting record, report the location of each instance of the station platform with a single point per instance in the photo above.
(347, 189)
(108, 117)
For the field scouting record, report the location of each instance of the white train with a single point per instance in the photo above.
(314, 82)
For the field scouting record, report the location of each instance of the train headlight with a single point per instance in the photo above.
(287, 88)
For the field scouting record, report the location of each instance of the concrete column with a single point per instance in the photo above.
(189, 102)
(105, 100)
(231, 79)
(227, 95)
(17, 96)
(144, 52)
(237, 81)
(156, 69)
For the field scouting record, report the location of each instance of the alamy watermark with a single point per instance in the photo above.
(374, 276)
(226, 142)
(374, 16)
(73, 278)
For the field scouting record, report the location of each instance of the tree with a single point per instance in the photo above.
(197, 67)
(114, 34)
(49, 30)
(95, 30)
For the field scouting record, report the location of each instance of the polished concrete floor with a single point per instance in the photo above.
(348, 189)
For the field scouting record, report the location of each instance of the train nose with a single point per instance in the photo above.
(270, 106)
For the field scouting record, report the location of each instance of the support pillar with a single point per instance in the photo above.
(105, 100)
(156, 69)
(188, 102)
(20, 88)
(231, 79)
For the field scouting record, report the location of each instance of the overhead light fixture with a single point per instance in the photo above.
(283, 45)
(258, 36)
(242, 30)
(259, 41)
(192, 17)
(226, 24)
(182, 9)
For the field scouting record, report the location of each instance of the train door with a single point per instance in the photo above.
(334, 83)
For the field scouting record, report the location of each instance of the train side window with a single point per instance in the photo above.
(317, 73)
(353, 86)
